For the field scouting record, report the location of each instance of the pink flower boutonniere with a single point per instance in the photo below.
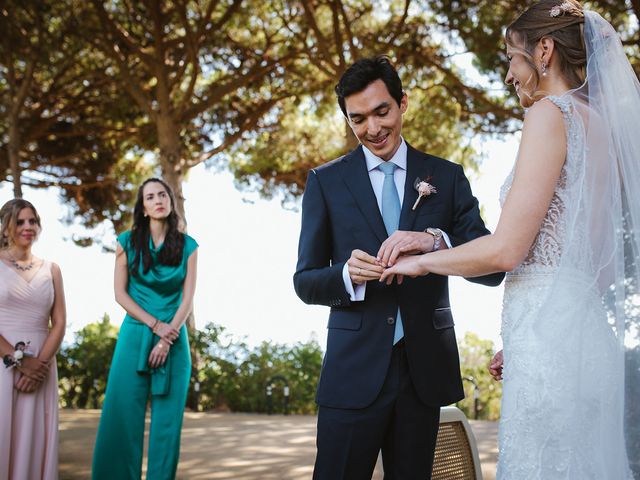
(424, 189)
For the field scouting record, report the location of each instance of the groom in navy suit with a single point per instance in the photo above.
(391, 359)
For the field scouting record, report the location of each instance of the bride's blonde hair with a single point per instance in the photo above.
(9, 219)
(560, 20)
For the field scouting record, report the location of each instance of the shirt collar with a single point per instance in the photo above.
(399, 158)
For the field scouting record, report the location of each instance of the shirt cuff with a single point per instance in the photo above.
(445, 237)
(356, 292)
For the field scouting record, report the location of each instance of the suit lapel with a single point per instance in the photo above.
(357, 179)
(417, 167)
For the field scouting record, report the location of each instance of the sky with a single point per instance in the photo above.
(246, 260)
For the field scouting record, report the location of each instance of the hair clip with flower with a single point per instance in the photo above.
(561, 9)
(424, 189)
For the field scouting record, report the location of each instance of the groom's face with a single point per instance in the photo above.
(376, 118)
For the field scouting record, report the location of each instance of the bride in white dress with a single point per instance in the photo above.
(569, 238)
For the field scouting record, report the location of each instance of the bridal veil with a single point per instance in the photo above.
(600, 254)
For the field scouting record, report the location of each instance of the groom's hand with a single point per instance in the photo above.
(363, 267)
(404, 243)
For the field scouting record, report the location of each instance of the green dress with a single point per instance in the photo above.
(119, 443)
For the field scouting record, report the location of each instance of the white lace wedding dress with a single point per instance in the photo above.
(560, 418)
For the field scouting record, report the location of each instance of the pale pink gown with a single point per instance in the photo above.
(28, 421)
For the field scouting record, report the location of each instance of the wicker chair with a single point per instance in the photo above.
(456, 456)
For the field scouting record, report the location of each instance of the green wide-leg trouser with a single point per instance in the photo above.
(119, 443)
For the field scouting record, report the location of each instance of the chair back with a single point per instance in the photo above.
(456, 456)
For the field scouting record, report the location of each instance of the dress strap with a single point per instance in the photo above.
(563, 103)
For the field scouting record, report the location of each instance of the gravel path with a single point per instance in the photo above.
(235, 446)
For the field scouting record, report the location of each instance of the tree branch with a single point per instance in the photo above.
(115, 33)
(192, 42)
(397, 28)
(337, 34)
(160, 65)
(321, 41)
(234, 81)
(347, 28)
(233, 8)
(248, 123)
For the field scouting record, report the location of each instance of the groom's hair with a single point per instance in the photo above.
(365, 71)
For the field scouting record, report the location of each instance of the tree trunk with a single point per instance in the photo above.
(171, 158)
(14, 157)
(171, 150)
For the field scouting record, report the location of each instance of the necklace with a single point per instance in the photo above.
(17, 266)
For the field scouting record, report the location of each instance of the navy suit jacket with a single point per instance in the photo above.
(339, 214)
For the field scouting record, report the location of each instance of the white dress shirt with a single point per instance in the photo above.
(376, 176)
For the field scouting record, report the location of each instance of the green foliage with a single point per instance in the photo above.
(245, 85)
(234, 377)
(83, 366)
(68, 127)
(307, 129)
(475, 355)
(480, 25)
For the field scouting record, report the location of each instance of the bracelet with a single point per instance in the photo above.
(437, 237)
(436, 244)
(155, 324)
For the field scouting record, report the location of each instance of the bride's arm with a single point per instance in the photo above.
(540, 159)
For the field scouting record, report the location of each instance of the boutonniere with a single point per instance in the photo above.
(424, 189)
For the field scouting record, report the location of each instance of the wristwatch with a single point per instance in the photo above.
(437, 237)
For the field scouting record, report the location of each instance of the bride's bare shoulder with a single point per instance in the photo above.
(544, 121)
(543, 111)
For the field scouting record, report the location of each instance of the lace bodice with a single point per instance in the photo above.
(544, 254)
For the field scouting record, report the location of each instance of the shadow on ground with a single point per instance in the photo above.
(218, 446)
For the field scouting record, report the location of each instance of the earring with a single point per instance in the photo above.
(544, 69)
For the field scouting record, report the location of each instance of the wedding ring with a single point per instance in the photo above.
(160, 345)
(359, 271)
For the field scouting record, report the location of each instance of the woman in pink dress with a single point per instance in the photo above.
(32, 324)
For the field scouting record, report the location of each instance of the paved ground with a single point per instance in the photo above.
(234, 446)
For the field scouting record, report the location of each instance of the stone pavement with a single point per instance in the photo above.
(218, 446)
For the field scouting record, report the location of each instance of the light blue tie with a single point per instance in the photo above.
(391, 218)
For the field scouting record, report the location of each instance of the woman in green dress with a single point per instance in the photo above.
(155, 278)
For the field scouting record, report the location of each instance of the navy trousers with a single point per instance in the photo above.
(397, 423)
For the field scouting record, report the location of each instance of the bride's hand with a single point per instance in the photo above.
(495, 367)
(409, 265)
